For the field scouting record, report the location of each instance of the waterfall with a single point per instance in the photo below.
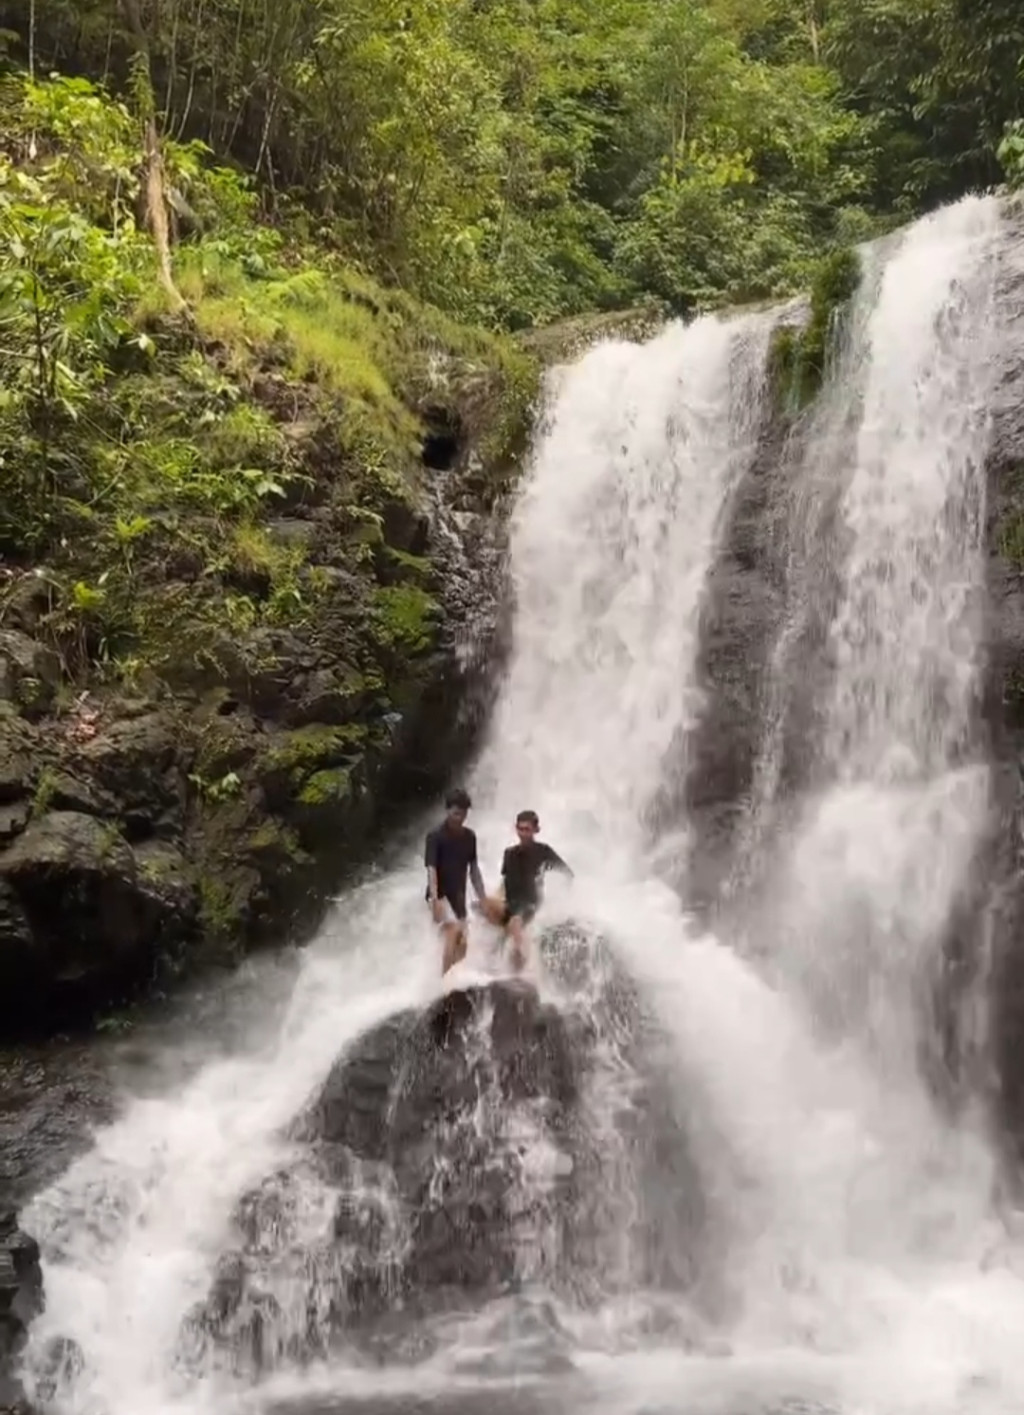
(766, 1207)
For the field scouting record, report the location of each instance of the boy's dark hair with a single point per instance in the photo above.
(528, 818)
(457, 799)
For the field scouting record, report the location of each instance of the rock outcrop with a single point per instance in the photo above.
(437, 1148)
(21, 1299)
(220, 801)
(459, 1155)
(1001, 905)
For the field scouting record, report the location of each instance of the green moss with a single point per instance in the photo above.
(327, 788)
(404, 618)
(1011, 539)
(217, 913)
(273, 838)
(157, 869)
(834, 287)
(799, 359)
(245, 436)
(110, 838)
(308, 748)
(414, 569)
(45, 791)
(510, 421)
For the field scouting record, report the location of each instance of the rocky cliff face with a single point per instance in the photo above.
(21, 1299)
(149, 826)
(1000, 926)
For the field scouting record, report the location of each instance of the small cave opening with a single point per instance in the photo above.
(442, 441)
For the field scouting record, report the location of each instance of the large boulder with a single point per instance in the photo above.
(29, 673)
(82, 910)
(469, 1152)
(439, 1157)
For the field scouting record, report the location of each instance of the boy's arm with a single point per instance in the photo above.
(556, 862)
(476, 878)
(430, 860)
(502, 890)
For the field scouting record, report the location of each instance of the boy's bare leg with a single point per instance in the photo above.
(516, 932)
(454, 936)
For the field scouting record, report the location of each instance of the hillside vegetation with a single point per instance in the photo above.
(517, 161)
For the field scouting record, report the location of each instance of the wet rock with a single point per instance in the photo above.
(13, 820)
(19, 747)
(709, 775)
(265, 670)
(406, 527)
(1002, 911)
(51, 1098)
(415, 1187)
(137, 762)
(21, 1298)
(29, 673)
(57, 1368)
(331, 696)
(293, 534)
(26, 602)
(80, 909)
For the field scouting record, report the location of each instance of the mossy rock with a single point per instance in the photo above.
(329, 788)
(405, 619)
(307, 749)
(333, 807)
(294, 757)
(226, 903)
(1010, 539)
(799, 358)
(274, 845)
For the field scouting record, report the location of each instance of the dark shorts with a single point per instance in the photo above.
(513, 910)
(455, 906)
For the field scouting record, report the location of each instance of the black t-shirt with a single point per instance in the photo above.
(522, 868)
(450, 852)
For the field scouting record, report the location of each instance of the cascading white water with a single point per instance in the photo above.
(613, 541)
(855, 1218)
(884, 846)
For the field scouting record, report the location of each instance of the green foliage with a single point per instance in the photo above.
(1011, 153)
(800, 358)
(131, 443)
(1011, 540)
(525, 160)
(224, 788)
(517, 161)
(327, 788)
(310, 748)
(835, 285)
(405, 618)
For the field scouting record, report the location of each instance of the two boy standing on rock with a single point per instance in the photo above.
(451, 854)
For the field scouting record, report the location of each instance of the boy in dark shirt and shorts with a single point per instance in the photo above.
(449, 854)
(522, 871)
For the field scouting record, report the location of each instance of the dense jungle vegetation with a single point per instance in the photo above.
(514, 161)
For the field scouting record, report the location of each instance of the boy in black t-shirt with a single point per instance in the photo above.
(522, 871)
(449, 854)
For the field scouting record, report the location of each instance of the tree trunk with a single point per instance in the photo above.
(156, 197)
